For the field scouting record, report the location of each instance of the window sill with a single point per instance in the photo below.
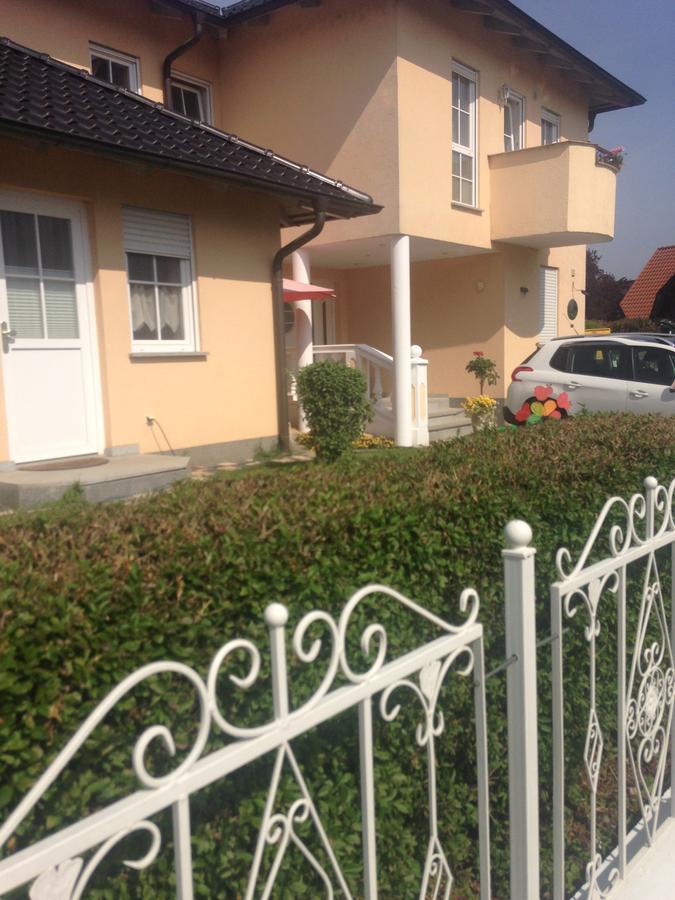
(141, 355)
(466, 208)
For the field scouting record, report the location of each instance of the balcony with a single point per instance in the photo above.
(556, 195)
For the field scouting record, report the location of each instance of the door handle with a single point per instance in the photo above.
(6, 331)
(573, 385)
(639, 394)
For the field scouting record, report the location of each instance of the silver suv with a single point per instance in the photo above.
(617, 373)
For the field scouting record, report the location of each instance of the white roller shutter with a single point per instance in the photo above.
(161, 233)
(548, 303)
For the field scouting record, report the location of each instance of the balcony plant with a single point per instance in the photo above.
(613, 157)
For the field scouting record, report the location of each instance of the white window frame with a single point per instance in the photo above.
(123, 59)
(514, 99)
(161, 346)
(471, 151)
(201, 88)
(550, 118)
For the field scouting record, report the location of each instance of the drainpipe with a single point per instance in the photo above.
(198, 25)
(278, 318)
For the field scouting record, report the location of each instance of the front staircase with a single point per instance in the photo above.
(445, 421)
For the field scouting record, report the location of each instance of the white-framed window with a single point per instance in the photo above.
(114, 67)
(464, 155)
(514, 121)
(158, 249)
(550, 127)
(191, 97)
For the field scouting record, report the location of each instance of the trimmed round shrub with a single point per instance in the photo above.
(336, 406)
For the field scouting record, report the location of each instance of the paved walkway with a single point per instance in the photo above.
(652, 877)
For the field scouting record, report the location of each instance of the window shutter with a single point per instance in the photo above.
(160, 233)
(548, 303)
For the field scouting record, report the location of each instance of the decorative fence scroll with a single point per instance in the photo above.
(616, 577)
(56, 869)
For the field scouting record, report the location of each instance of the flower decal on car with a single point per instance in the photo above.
(543, 406)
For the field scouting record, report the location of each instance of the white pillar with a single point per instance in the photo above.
(303, 321)
(400, 320)
(521, 701)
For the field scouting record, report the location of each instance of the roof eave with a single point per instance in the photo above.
(336, 208)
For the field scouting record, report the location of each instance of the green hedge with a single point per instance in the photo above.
(87, 594)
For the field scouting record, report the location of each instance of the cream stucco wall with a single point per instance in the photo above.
(230, 395)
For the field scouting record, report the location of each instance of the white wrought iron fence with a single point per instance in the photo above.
(638, 533)
(615, 586)
(55, 868)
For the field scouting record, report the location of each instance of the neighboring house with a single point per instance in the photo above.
(136, 243)
(652, 294)
(469, 122)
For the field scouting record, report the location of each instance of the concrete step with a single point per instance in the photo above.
(118, 479)
(438, 403)
(451, 423)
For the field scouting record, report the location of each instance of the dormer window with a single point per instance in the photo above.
(114, 67)
(192, 98)
(514, 121)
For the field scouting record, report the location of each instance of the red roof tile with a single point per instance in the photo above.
(639, 300)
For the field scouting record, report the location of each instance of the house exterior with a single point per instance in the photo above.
(469, 122)
(652, 294)
(136, 243)
(466, 121)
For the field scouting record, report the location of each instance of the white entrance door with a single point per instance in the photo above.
(49, 360)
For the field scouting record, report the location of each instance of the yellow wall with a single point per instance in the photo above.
(319, 85)
(230, 395)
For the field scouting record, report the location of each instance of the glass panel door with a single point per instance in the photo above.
(40, 278)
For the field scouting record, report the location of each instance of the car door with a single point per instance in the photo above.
(596, 376)
(650, 388)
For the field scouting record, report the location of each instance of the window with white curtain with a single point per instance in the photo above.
(464, 156)
(159, 267)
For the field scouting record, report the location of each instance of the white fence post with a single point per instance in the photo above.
(419, 366)
(521, 684)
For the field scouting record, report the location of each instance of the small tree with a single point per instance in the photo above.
(483, 368)
(336, 406)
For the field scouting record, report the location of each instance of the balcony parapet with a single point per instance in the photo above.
(555, 195)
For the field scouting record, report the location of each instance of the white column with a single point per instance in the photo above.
(521, 701)
(303, 321)
(400, 321)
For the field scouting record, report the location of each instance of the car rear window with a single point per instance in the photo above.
(598, 360)
(654, 365)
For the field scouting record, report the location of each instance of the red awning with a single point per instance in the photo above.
(296, 290)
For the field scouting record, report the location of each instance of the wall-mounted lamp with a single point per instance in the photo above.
(480, 286)
(504, 94)
(524, 290)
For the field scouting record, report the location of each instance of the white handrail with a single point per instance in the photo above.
(373, 362)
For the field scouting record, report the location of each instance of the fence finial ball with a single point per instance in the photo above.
(651, 483)
(276, 615)
(416, 351)
(517, 534)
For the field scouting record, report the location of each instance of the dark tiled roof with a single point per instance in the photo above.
(639, 300)
(605, 92)
(50, 99)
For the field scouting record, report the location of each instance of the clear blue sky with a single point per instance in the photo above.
(635, 41)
